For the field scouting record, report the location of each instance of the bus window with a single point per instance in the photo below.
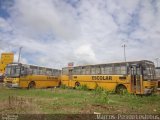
(24, 70)
(44, 71)
(40, 71)
(98, 70)
(16, 71)
(35, 71)
(13, 71)
(83, 71)
(117, 69)
(77, 71)
(93, 70)
(102, 69)
(123, 70)
(88, 70)
(65, 71)
(8, 71)
(57, 72)
(138, 70)
(149, 72)
(108, 70)
(48, 71)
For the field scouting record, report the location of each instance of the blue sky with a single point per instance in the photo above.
(55, 32)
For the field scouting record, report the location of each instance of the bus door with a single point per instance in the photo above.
(136, 81)
(70, 78)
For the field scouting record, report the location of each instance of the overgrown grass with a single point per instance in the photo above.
(82, 87)
(75, 101)
(63, 86)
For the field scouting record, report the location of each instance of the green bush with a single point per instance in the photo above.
(98, 90)
(82, 87)
(102, 95)
(63, 86)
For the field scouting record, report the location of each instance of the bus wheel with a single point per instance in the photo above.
(77, 84)
(121, 89)
(31, 85)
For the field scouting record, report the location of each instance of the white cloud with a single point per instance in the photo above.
(39, 16)
(85, 53)
(53, 32)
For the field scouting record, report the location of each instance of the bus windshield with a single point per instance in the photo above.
(12, 71)
(149, 72)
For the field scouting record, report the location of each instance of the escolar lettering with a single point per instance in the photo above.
(101, 77)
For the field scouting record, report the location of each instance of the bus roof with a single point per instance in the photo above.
(140, 61)
(32, 65)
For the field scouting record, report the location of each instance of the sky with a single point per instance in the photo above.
(55, 32)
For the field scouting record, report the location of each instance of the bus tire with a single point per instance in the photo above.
(77, 84)
(31, 85)
(121, 89)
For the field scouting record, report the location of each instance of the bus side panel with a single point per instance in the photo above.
(40, 81)
(124, 80)
(65, 80)
(93, 81)
(24, 81)
(84, 80)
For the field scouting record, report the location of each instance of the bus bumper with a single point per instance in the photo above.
(11, 85)
(15, 85)
(148, 90)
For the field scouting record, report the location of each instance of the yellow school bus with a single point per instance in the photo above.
(136, 77)
(31, 76)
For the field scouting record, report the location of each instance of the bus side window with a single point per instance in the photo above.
(56, 72)
(88, 70)
(29, 71)
(64, 71)
(44, 71)
(53, 72)
(77, 71)
(48, 71)
(123, 70)
(83, 71)
(103, 69)
(24, 70)
(40, 71)
(98, 70)
(108, 70)
(117, 69)
(93, 70)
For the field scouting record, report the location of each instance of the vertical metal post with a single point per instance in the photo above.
(157, 61)
(124, 46)
(19, 54)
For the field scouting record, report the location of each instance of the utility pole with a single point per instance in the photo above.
(157, 61)
(124, 46)
(20, 48)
